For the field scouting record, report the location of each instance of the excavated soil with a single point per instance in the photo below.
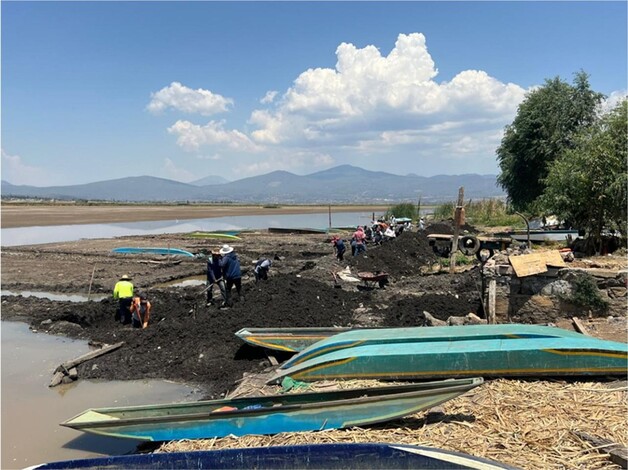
(190, 342)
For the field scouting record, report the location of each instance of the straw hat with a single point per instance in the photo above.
(125, 277)
(226, 249)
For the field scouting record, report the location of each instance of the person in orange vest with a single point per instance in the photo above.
(123, 293)
(140, 311)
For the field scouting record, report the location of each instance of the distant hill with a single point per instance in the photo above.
(211, 179)
(341, 184)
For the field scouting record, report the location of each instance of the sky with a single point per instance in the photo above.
(100, 90)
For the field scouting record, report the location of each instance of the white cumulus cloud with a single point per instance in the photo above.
(172, 171)
(182, 98)
(269, 97)
(369, 94)
(192, 136)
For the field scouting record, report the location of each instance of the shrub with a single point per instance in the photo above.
(405, 209)
(586, 294)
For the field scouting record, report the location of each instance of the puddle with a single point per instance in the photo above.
(31, 412)
(185, 282)
(56, 297)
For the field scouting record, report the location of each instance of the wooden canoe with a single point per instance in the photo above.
(298, 457)
(421, 334)
(272, 414)
(152, 251)
(287, 339)
(536, 357)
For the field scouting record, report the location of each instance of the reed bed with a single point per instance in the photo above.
(527, 424)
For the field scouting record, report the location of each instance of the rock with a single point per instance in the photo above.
(560, 288)
(432, 321)
(65, 328)
(46, 322)
(456, 321)
(473, 319)
(617, 292)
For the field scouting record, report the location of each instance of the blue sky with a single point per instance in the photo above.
(182, 90)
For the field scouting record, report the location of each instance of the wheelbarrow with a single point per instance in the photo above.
(370, 279)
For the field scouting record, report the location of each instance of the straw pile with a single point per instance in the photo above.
(527, 424)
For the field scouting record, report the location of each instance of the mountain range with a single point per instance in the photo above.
(341, 184)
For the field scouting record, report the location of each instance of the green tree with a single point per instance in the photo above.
(546, 123)
(587, 184)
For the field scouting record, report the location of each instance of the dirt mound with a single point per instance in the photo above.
(401, 256)
(186, 340)
(447, 227)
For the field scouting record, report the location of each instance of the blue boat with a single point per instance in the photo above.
(461, 351)
(298, 457)
(152, 251)
(313, 411)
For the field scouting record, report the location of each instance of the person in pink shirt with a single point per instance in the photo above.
(360, 241)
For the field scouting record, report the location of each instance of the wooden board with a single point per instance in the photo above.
(536, 263)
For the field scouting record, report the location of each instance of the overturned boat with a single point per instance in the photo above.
(298, 457)
(461, 351)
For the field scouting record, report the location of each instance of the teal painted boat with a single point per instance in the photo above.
(287, 339)
(229, 235)
(488, 357)
(420, 334)
(152, 251)
(272, 414)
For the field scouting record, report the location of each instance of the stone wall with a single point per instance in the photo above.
(542, 298)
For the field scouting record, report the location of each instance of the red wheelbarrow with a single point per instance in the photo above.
(370, 279)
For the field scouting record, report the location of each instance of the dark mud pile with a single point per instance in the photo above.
(447, 227)
(401, 256)
(187, 341)
(444, 295)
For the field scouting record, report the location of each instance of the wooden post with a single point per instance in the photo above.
(457, 221)
(330, 216)
(89, 291)
(492, 294)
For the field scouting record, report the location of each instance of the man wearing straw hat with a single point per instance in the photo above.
(123, 292)
(231, 272)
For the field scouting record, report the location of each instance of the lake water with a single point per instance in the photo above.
(31, 412)
(61, 233)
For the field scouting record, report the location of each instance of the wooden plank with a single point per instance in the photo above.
(86, 357)
(579, 326)
(618, 454)
(56, 379)
(492, 294)
(527, 265)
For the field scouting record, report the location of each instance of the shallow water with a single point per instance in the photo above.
(31, 412)
(62, 233)
(55, 296)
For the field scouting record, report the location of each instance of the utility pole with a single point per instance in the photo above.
(458, 221)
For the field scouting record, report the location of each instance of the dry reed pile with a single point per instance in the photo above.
(527, 424)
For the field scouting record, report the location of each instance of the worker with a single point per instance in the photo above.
(339, 247)
(261, 269)
(421, 224)
(123, 293)
(230, 265)
(214, 277)
(360, 241)
(140, 311)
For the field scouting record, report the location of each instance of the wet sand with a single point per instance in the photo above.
(29, 215)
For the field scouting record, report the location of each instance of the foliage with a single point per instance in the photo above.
(405, 209)
(486, 212)
(461, 260)
(586, 294)
(546, 123)
(587, 184)
(444, 211)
